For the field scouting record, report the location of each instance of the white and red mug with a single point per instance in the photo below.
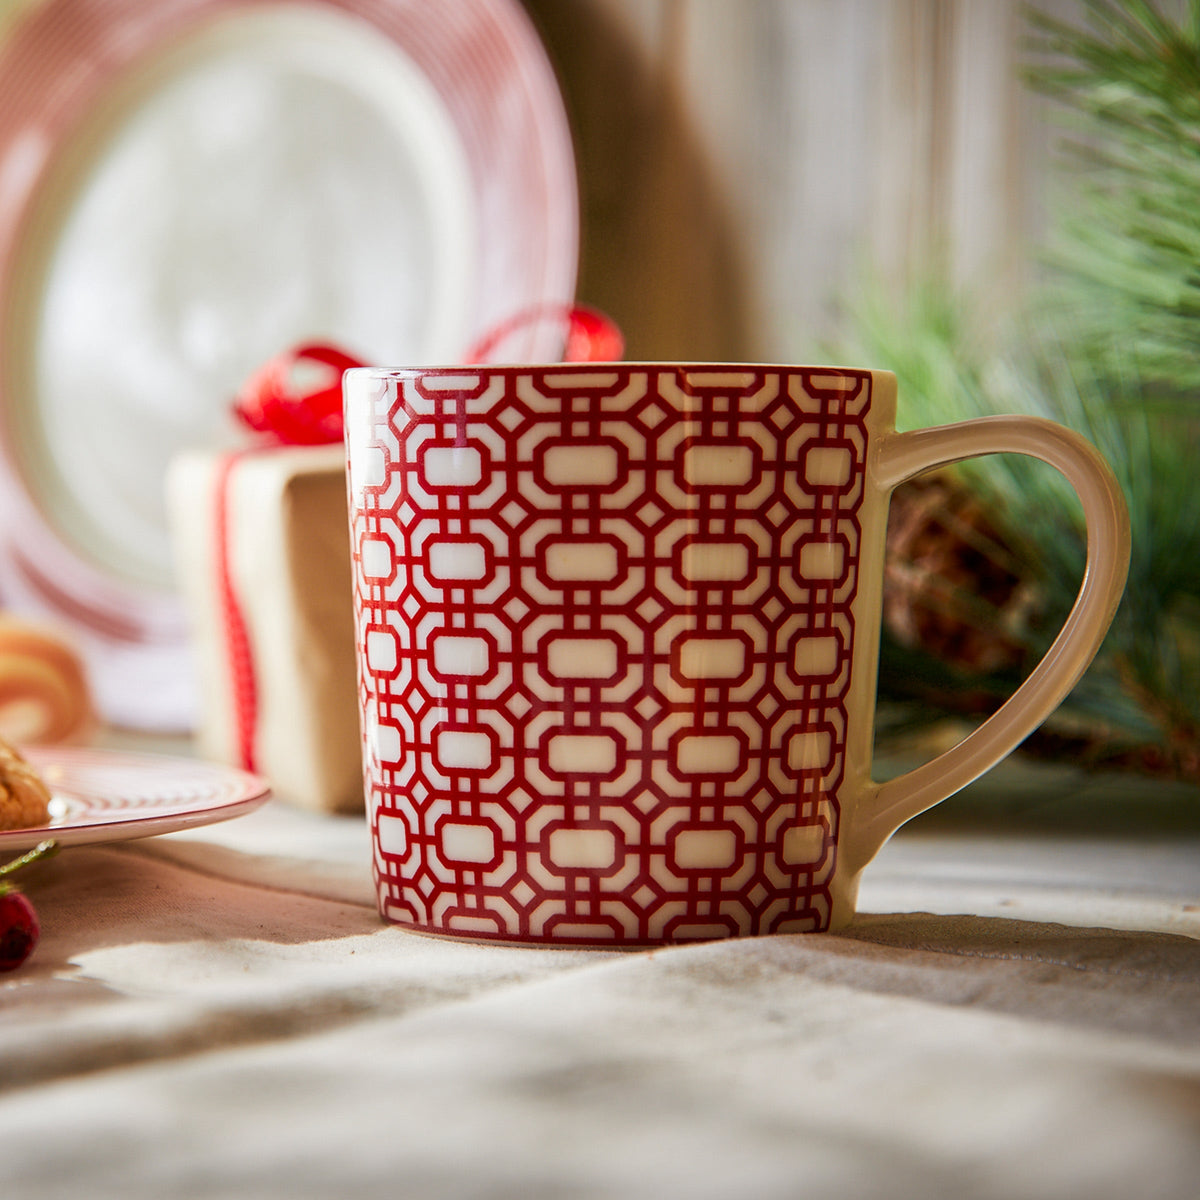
(618, 630)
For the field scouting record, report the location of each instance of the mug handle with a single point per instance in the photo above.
(884, 807)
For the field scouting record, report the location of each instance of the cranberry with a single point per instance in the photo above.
(18, 930)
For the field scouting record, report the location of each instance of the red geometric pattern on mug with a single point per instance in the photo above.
(608, 636)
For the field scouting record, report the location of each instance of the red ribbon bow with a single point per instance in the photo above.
(296, 397)
(296, 400)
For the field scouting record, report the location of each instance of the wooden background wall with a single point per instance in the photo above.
(745, 163)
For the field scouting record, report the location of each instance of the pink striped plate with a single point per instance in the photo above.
(187, 188)
(109, 795)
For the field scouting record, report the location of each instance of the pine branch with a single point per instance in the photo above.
(1128, 261)
(1109, 346)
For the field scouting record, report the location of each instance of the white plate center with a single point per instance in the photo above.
(275, 176)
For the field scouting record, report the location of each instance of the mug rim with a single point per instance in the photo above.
(587, 368)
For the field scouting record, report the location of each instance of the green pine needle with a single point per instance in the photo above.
(1109, 345)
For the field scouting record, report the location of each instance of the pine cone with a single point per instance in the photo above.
(951, 588)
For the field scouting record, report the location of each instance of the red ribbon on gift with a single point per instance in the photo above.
(295, 399)
(590, 335)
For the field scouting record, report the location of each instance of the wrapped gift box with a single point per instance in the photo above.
(262, 546)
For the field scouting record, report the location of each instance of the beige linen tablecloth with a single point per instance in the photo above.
(1016, 1014)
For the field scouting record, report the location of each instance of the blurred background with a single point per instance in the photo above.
(743, 165)
(995, 200)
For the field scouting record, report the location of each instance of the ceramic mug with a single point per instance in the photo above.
(618, 631)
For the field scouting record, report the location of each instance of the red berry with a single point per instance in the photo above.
(18, 930)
